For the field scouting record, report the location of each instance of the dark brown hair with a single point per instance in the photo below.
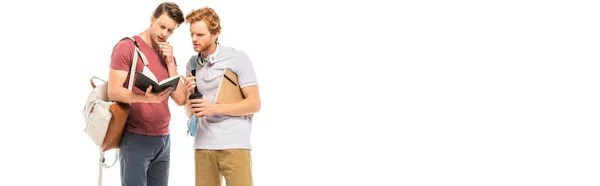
(172, 11)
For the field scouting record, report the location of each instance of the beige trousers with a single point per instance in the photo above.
(233, 164)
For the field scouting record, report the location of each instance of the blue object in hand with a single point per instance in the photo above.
(192, 125)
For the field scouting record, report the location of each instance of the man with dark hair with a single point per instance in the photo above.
(144, 150)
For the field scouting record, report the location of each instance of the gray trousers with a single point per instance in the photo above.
(144, 159)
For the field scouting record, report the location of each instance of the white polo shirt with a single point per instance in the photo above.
(222, 131)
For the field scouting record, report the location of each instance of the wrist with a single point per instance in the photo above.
(141, 98)
(218, 108)
(170, 61)
(171, 65)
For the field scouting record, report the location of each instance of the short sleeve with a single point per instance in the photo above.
(122, 56)
(245, 70)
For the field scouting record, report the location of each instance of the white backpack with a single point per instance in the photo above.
(97, 114)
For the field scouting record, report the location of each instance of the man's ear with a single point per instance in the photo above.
(152, 19)
(216, 36)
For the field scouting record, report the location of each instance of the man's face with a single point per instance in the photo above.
(202, 39)
(162, 28)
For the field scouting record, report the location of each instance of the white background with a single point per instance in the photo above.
(353, 93)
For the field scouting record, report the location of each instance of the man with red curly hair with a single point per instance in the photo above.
(222, 144)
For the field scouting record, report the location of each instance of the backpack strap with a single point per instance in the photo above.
(104, 165)
(193, 62)
(193, 121)
(136, 52)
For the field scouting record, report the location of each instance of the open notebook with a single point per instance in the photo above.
(146, 78)
(229, 90)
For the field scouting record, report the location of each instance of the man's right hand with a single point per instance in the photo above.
(190, 83)
(152, 97)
